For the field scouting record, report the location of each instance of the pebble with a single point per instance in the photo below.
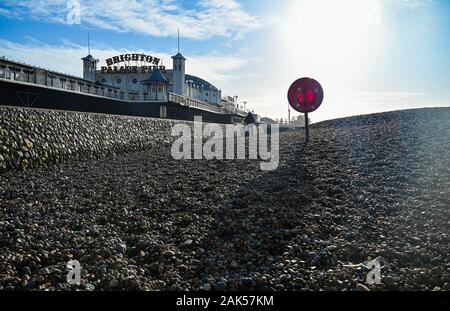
(234, 264)
(169, 253)
(40, 279)
(220, 286)
(59, 286)
(120, 248)
(188, 243)
(26, 271)
(362, 288)
(113, 283)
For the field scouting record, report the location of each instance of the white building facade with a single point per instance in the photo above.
(129, 77)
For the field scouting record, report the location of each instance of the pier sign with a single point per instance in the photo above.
(137, 59)
(132, 57)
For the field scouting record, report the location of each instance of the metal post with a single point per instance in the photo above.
(289, 115)
(306, 128)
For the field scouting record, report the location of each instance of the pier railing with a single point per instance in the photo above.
(186, 101)
(38, 76)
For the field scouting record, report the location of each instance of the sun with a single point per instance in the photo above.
(330, 40)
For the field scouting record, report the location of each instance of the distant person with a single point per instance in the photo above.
(250, 123)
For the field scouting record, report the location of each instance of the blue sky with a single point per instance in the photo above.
(369, 55)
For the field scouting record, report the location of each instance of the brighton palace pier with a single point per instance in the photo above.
(133, 84)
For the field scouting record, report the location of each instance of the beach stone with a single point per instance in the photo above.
(169, 253)
(362, 288)
(113, 283)
(220, 286)
(188, 243)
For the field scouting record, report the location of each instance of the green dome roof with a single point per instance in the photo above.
(156, 76)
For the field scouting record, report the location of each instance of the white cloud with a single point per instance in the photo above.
(411, 4)
(66, 57)
(208, 18)
(217, 67)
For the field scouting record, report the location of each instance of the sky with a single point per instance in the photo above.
(369, 55)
